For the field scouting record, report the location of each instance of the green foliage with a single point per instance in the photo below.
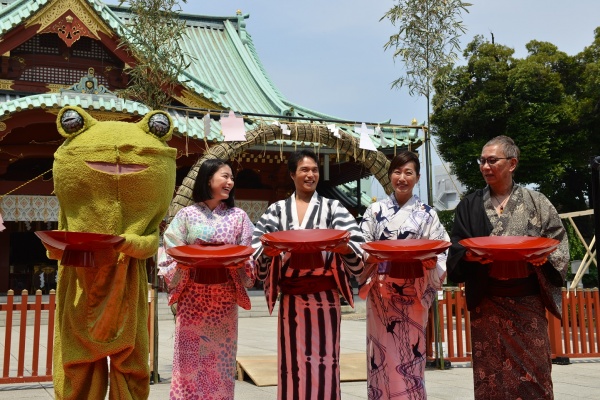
(577, 252)
(576, 248)
(447, 219)
(547, 102)
(152, 38)
(426, 43)
(427, 39)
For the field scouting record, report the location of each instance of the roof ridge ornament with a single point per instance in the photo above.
(241, 22)
(88, 84)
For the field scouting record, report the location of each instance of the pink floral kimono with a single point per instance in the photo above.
(207, 314)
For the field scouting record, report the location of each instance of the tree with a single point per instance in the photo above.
(533, 100)
(426, 43)
(152, 37)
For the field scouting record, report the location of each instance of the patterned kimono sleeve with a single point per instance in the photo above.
(247, 274)
(343, 220)
(368, 225)
(552, 227)
(175, 235)
(436, 231)
(369, 229)
(268, 222)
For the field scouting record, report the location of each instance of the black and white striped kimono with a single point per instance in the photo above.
(309, 323)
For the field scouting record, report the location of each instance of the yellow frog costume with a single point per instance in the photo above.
(112, 178)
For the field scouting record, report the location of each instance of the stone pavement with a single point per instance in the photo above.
(257, 336)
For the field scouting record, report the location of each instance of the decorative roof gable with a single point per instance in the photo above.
(70, 19)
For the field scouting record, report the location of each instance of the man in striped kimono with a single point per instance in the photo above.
(309, 307)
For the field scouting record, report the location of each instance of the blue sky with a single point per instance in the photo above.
(328, 54)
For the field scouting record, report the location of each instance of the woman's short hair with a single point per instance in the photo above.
(508, 146)
(402, 158)
(298, 156)
(201, 190)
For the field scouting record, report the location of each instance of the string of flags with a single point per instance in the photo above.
(233, 129)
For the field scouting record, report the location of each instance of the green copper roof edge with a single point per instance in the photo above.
(17, 12)
(258, 73)
(114, 104)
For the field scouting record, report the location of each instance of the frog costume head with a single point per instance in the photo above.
(113, 178)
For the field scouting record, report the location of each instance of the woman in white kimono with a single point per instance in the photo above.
(397, 309)
(309, 307)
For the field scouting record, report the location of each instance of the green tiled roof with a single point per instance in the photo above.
(225, 68)
(184, 124)
(17, 12)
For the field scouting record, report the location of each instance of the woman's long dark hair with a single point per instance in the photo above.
(201, 190)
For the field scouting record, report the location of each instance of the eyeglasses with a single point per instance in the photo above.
(491, 160)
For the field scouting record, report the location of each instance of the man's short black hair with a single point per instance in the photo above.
(298, 156)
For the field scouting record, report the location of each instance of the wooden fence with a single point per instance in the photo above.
(24, 310)
(31, 348)
(576, 336)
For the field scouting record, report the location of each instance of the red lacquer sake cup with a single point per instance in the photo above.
(510, 255)
(406, 256)
(209, 263)
(306, 245)
(80, 249)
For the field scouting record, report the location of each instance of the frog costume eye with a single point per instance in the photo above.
(73, 120)
(159, 124)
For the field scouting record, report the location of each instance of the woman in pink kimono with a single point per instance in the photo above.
(397, 309)
(206, 329)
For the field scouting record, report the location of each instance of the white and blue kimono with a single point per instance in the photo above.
(397, 309)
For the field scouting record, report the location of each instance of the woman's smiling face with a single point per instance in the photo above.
(403, 179)
(221, 183)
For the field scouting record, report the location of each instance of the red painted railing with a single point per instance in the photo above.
(29, 333)
(24, 310)
(576, 336)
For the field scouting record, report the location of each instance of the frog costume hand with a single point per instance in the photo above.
(113, 178)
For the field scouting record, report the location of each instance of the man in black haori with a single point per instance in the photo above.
(511, 347)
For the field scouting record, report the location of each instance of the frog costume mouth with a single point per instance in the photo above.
(115, 168)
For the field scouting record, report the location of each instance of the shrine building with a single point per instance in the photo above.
(55, 53)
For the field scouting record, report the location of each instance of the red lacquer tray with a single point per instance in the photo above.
(79, 248)
(406, 249)
(306, 245)
(88, 241)
(406, 255)
(510, 248)
(211, 256)
(509, 254)
(306, 240)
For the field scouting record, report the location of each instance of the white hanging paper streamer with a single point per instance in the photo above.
(335, 130)
(365, 137)
(382, 141)
(276, 123)
(206, 120)
(233, 128)
(285, 130)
